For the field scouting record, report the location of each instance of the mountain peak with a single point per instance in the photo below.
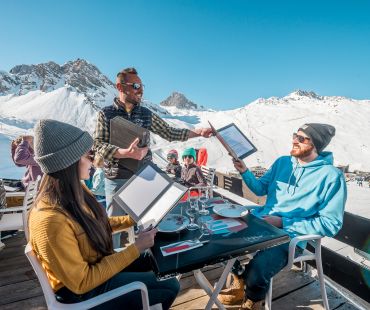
(179, 101)
(304, 93)
(78, 74)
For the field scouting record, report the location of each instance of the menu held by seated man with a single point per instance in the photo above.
(234, 141)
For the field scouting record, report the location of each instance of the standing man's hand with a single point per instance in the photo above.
(133, 151)
(240, 165)
(201, 132)
(274, 220)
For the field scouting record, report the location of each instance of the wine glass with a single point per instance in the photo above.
(191, 211)
(205, 225)
(203, 198)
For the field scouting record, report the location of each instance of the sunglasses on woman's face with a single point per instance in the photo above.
(300, 138)
(91, 155)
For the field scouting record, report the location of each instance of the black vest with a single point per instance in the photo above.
(140, 116)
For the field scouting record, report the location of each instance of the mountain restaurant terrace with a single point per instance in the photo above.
(295, 287)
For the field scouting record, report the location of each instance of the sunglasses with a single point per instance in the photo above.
(171, 157)
(91, 155)
(300, 138)
(187, 156)
(134, 85)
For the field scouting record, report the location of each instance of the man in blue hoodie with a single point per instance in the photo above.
(306, 194)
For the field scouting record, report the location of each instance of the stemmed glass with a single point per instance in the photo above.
(203, 198)
(205, 225)
(191, 211)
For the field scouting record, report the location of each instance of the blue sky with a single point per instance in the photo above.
(221, 54)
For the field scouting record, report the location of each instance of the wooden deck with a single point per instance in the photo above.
(19, 287)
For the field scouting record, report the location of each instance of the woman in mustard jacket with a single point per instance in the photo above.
(72, 235)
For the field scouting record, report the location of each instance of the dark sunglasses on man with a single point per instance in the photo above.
(300, 138)
(134, 85)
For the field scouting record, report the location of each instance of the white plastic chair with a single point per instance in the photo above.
(15, 218)
(315, 241)
(53, 304)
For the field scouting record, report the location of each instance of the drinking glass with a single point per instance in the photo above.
(203, 198)
(204, 224)
(191, 211)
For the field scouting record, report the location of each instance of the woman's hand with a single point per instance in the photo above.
(240, 165)
(145, 240)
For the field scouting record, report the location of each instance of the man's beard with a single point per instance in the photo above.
(301, 153)
(133, 101)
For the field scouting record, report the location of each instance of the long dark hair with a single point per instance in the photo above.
(63, 188)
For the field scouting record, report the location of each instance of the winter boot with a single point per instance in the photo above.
(234, 294)
(251, 305)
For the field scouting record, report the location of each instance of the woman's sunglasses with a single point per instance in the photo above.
(300, 138)
(91, 155)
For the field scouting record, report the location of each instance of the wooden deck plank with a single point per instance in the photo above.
(20, 291)
(34, 303)
(20, 274)
(308, 297)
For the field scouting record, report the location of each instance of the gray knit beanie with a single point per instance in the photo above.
(59, 145)
(320, 134)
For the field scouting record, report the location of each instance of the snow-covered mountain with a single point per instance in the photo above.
(179, 101)
(79, 76)
(268, 122)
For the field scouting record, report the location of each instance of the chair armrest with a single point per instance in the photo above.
(293, 244)
(97, 300)
(121, 230)
(12, 209)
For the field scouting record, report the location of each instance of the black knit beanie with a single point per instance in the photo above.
(59, 145)
(320, 134)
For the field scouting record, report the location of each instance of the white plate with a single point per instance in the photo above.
(173, 223)
(231, 210)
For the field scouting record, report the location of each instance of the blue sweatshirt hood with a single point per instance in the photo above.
(324, 158)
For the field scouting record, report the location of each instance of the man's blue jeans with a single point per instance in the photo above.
(163, 292)
(111, 187)
(259, 271)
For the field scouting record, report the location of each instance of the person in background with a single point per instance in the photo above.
(306, 195)
(173, 165)
(128, 106)
(71, 233)
(98, 182)
(191, 174)
(23, 156)
(202, 157)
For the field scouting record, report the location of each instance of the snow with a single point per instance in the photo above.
(269, 123)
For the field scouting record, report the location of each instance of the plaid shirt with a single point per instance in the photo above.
(158, 126)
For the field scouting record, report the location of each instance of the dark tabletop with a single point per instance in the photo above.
(256, 236)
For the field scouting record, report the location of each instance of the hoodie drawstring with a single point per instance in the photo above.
(296, 180)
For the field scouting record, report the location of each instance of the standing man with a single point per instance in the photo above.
(127, 105)
(306, 194)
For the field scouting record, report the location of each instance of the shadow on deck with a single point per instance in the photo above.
(20, 289)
